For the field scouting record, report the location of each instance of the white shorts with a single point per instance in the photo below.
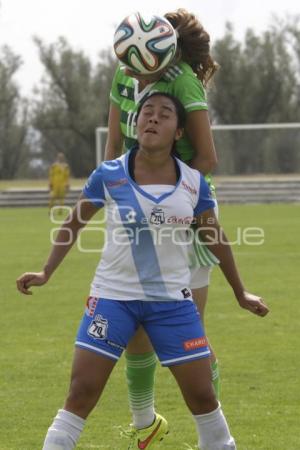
(200, 276)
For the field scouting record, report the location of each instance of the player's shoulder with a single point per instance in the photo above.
(189, 175)
(122, 86)
(110, 166)
(120, 75)
(179, 72)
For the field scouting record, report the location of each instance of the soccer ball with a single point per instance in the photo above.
(145, 45)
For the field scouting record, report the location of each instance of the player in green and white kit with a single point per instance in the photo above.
(184, 79)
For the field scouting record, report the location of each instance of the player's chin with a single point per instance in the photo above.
(150, 140)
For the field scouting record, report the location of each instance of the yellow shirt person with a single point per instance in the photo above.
(59, 174)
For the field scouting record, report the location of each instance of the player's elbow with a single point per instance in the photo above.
(211, 164)
(205, 165)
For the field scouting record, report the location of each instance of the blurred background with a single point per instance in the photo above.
(57, 63)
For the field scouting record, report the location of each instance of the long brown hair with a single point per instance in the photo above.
(193, 44)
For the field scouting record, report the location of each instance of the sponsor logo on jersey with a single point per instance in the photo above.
(113, 344)
(192, 344)
(188, 220)
(186, 293)
(98, 328)
(188, 188)
(157, 216)
(115, 184)
(125, 91)
(131, 217)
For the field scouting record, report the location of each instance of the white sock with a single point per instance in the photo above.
(143, 418)
(64, 431)
(213, 431)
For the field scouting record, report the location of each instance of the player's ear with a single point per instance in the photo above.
(178, 134)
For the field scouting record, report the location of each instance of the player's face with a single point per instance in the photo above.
(157, 125)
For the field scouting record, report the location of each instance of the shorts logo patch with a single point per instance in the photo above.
(192, 344)
(98, 328)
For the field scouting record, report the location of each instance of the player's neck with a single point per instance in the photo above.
(154, 167)
(153, 158)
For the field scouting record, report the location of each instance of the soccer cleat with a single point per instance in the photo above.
(145, 438)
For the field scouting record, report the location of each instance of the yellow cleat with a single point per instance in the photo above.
(145, 438)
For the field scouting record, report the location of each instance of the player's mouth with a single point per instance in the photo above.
(151, 131)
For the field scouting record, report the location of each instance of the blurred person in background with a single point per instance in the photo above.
(59, 175)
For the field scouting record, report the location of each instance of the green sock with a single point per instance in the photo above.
(216, 378)
(140, 372)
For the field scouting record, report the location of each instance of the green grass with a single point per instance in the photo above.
(258, 357)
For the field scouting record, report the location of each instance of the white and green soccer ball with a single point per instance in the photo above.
(145, 45)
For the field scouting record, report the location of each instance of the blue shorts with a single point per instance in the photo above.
(174, 328)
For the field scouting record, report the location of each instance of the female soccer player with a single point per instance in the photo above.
(191, 70)
(143, 278)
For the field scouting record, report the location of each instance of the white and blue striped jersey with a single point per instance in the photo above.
(145, 256)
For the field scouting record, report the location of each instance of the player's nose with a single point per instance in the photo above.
(153, 118)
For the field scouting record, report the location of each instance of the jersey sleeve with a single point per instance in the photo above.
(94, 188)
(190, 91)
(205, 200)
(114, 92)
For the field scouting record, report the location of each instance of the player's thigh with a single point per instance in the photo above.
(139, 343)
(175, 331)
(90, 372)
(200, 298)
(194, 380)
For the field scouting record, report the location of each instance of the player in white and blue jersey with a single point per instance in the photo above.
(143, 278)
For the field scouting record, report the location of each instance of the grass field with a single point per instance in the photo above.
(259, 358)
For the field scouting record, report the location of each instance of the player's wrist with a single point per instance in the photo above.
(47, 272)
(239, 293)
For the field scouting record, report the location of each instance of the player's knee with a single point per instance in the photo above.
(82, 394)
(203, 400)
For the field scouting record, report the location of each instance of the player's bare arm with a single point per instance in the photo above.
(199, 132)
(213, 235)
(114, 142)
(66, 237)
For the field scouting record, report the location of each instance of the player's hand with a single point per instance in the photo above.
(253, 303)
(30, 279)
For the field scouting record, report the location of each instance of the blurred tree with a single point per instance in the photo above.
(257, 83)
(13, 117)
(72, 102)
